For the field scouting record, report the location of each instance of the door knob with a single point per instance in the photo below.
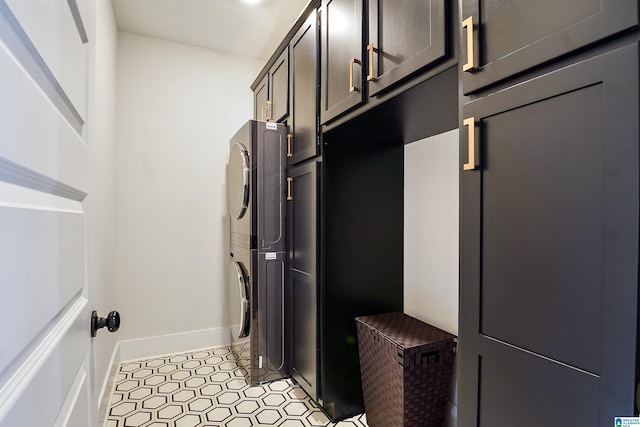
(112, 322)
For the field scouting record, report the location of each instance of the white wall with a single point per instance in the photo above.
(102, 35)
(177, 108)
(431, 230)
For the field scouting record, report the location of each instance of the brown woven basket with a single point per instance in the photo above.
(406, 368)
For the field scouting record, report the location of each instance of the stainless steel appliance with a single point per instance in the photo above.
(256, 205)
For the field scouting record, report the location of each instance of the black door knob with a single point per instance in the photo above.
(112, 322)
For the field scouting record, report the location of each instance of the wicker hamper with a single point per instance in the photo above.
(406, 368)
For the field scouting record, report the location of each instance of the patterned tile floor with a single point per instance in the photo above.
(208, 388)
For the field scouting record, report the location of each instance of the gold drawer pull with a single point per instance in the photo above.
(470, 64)
(289, 138)
(353, 88)
(370, 77)
(471, 138)
(289, 180)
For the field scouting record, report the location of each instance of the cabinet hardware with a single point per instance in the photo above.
(289, 138)
(370, 77)
(269, 110)
(353, 88)
(264, 107)
(289, 188)
(471, 139)
(470, 64)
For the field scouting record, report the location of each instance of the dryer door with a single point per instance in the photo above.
(238, 301)
(238, 176)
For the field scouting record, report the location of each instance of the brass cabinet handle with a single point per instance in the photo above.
(269, 110)
(289, 138)
(471, 63)
(289, 180)
(353, 88)
(264, 107)
(471, 139)
(370, 77)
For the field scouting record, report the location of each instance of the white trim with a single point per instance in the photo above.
(174, 343)
(14, 196)
(109, 383)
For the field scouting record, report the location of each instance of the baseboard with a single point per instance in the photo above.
(144, 348)
(104, 399)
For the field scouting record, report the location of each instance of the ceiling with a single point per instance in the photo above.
(231, 26)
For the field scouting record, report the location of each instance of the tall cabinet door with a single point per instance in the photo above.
(404, 37)
(342, 65)
(304, 91)
(303, 264)
(506, 37)
(549, 248)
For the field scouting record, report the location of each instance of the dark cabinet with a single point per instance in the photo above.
(361, 252)
(549, 247)
(271, 96)
(303, 192)
(342, 64)
(502, 38)
(304, 141)
(405, 36)
(260, 98)
(278, 104)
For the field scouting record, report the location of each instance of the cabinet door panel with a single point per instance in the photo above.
(304, 91)
(513, 36)
(303, 261)
(549, 246)
(260, 97)
(342, 65)
(279, 88)
(407, 36)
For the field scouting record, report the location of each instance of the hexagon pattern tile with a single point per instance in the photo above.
(209, 388)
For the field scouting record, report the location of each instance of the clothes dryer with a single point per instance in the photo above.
(256, 185)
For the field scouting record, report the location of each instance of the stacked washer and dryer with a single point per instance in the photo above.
(256, 203)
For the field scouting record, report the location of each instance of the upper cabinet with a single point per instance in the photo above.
(260, 98)
(342, 63)
(405, 36)
(271, 96)
(278, 103)
(303, 138)
(503, 38)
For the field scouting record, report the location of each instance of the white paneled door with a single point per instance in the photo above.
(44, 319)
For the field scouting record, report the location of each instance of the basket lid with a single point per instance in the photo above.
(404, 330)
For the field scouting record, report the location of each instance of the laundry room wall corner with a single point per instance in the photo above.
(177, 108)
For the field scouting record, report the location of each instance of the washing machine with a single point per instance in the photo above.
(256, 185)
